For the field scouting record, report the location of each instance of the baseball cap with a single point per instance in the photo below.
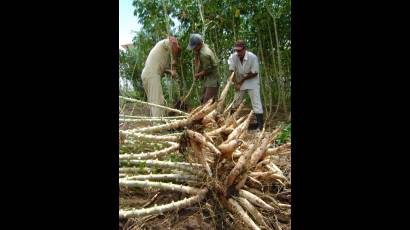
(194, 40)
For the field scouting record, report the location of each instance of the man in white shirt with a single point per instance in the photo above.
(156, 65)
(245, 64)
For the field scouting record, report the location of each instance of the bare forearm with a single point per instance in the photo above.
(174, 63)
(201, 74)
(171, 71)
(248, 76)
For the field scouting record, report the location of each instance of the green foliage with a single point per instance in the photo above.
(285, 135)
(224, 21)
(124, 149)
(141, 165)
(131, 70)
(175, 157)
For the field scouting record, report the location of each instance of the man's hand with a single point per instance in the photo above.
(174, 61)
(238, 86)
(249, 75)
(199, 75)
(173, 74)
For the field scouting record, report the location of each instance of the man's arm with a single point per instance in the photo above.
(253, 71)
(247, 76)
(174, 66)
(235, 82)
(173, 70)
(207, 62)
(231, 65)
(200, 74)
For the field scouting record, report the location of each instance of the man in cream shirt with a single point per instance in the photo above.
(156, 65)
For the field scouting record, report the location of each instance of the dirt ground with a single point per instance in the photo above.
(197, 216)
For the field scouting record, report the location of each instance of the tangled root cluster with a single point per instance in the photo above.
(209, 159)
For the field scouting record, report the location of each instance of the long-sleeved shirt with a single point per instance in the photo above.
(158, 59)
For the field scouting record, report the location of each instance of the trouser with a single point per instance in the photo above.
(254, 94)
(208, 93)
(153, 89)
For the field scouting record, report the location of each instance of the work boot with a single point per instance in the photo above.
(259, 120)
(252, 126)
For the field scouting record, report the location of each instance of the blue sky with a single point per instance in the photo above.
(128, 22)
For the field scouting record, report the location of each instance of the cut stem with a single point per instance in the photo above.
(171, 176)
(159, 185)
(190, 167)
(154, 105)
(174, 146)
(163, 208)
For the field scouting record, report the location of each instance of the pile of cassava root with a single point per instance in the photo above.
(209, 157)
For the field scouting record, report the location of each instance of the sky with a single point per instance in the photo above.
(128, 22)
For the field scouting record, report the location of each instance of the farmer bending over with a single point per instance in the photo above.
(156, 65)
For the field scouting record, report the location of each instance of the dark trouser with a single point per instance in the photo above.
(208, 93)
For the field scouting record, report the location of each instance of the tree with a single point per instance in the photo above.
(264, 25)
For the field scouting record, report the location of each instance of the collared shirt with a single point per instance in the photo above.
(250, 64)
(209, 64)
(159, 58)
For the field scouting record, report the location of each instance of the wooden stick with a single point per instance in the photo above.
(154, 105)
